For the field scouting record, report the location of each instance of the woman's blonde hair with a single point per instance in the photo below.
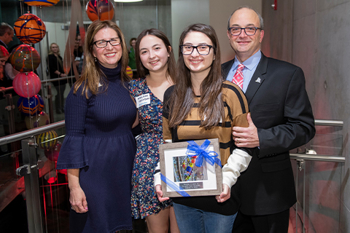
(91, 75)
(50, 50)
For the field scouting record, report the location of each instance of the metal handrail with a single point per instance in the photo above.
(31, 132)
(321, 158)
(328, 123)
(60, 124)
(42, 81)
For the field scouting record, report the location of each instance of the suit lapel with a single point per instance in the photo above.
(257, 78)
(226, 68)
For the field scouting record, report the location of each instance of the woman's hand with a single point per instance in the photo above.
(160, 193)
(77, 200)
(77, 197)
(225, 195)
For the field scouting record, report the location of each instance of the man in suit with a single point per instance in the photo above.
(6, 34)
(280, 119)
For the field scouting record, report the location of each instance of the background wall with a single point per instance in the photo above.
(219, 14)
(313, 35)
(211, 12)
(185, 13)
(133, 18)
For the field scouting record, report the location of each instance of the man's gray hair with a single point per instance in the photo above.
(247, 7)
(5, 28)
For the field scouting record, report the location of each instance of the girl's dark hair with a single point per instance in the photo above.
(131, 40)
(141, 70)
(211, 107)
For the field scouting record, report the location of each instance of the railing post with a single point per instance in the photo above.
(31, 180)
(304, 199)
(49, 94)
(301, 164)
(296, 204)
(10, 108)
(15, 146)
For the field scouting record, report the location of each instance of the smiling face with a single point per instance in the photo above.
(153, 54)
(196, 63)
(243, 45)
(54, 48)
(108, 56)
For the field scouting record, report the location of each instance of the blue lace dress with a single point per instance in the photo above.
(100, 143)
(144, 200)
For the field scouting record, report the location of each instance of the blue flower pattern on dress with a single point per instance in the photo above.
(144, 200)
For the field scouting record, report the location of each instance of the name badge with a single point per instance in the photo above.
(142, 100)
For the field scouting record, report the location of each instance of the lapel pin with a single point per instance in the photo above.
(258, 80)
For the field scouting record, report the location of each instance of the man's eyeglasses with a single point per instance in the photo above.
(249, 31)
(103, 43)
(201, 49)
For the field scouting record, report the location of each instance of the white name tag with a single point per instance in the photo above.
(142, 100)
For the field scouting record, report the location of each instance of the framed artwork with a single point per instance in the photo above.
(191, 168)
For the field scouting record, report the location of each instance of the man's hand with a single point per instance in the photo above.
(246, 136)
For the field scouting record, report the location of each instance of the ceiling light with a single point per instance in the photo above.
(128, 0)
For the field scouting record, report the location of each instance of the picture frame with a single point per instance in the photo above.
(180, 170)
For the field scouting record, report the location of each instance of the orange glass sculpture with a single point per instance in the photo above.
(41, 2)
(100, 10)
(24, 58)
(29, 28)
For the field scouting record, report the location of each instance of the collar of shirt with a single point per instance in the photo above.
(4, 44)
(250, 67)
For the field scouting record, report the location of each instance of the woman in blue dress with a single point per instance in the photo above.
(99, 147)
(156, 68)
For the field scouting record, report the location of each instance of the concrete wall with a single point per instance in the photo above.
(185, 13)
(278, 39)
(136, 17)
(219, 14)
(313, 35)
(211, 12)
(132, 18)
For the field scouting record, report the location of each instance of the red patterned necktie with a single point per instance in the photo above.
(238, 77)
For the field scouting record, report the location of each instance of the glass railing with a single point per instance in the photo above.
(41, 194)
(31, 185)
(318, 170)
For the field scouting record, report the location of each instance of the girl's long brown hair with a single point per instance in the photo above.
(91, 75)
(141, 70)
(211, 106)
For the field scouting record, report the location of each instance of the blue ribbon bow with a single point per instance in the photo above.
(174, 186)
(202, 151)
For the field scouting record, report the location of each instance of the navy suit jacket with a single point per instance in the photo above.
(3, 44)
(281, 111)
